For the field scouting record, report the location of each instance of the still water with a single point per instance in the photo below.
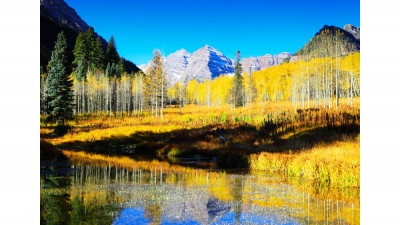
(121, 190)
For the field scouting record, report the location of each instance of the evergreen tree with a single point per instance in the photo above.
(108, 70)
(111, 70)
(237, 88)
(120, 67)
(90, 48)
(98, 55)
(80, 48)
(111, 52)
(81, 70)
(59, 95)
(43, 77)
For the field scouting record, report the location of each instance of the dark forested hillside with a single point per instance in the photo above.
(57, 16)
(328, 41)
(48, 36)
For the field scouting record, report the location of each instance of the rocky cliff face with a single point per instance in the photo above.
(206, 63)
(355, 31)
(252, 64)
(262, 62)
(60, 12)
(176, 63)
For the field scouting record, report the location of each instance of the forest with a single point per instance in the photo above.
(313, 82)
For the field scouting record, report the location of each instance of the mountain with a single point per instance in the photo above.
(57, 16)
(48, 36)
(263, 62)
(324, 44)
(355, 31)
(177, 63)
(206, 63)
(59, 12)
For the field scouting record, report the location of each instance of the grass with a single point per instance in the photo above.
(318, 145)
(336, 164)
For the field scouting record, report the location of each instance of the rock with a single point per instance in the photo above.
(355, 31)
(207, 63)
(176, 64)
(262, 62)
(250, 64)
(60, 12)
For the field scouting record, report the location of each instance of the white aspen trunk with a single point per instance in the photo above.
(351, 85)
(152, 106)
(348, 94)
(156, 103)
(110, 98)
(330, 86)
(323, 85)
(302, 87)
(316, 82)
(83, 99)
(162, 96)
(337, 91)
(308, 86)
(78, 93)
(351, 89)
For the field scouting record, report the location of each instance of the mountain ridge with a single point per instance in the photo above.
(324, 41)
(208, 63)
(57, 16)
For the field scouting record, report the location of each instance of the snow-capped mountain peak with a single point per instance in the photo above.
(208, 63)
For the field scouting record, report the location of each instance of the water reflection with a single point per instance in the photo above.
(103, 190)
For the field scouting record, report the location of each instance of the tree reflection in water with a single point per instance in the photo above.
(106, 189)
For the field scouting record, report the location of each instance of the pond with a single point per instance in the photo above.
(99, 189)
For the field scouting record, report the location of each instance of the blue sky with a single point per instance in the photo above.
(253, 27)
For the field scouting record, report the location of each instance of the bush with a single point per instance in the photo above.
(61, 130)
(223, 118)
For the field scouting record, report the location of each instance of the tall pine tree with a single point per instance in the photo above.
(80, 48)
(89, 50)
(98, 55)
(59, 94)
(237, 87)
(120, 67)
(111, 52)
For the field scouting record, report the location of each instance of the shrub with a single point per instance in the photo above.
(61, 130)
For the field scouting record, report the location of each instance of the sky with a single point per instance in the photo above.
(254, 27)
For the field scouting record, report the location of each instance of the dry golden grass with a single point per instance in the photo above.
(94, 127)
(335, 163)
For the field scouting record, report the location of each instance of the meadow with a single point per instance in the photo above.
(319, 145)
